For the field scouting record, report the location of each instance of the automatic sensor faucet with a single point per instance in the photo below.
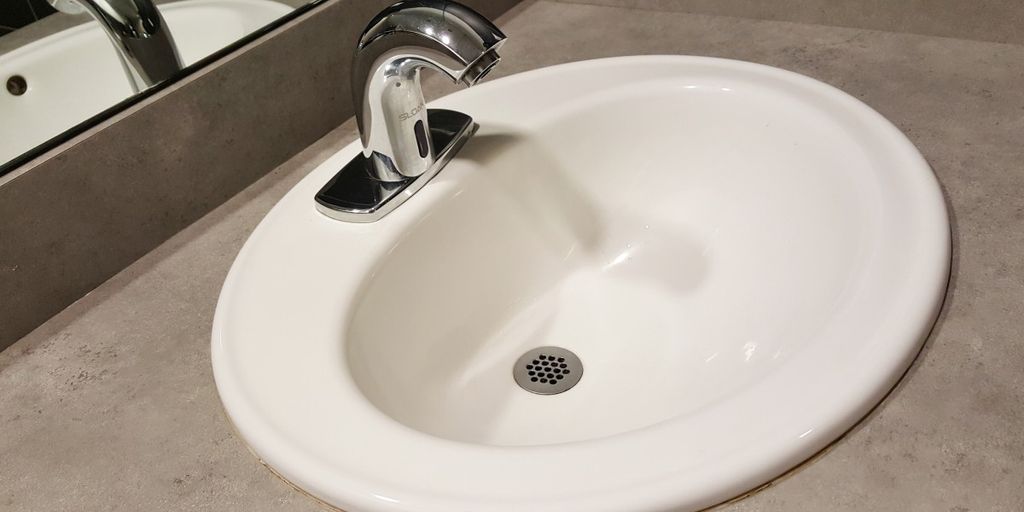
(398, 43)
(404, 143)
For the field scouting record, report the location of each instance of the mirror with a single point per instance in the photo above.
(69, 64)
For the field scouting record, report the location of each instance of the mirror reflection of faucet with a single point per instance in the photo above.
(139, 34)
(404, 143)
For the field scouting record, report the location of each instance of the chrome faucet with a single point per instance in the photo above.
(404, 143)
(139, 34)
(398, 43)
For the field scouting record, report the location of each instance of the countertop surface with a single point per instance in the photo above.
(111, 405)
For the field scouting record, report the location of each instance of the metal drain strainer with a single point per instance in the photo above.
(547, 370)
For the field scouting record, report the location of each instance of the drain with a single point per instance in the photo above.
(547, 370)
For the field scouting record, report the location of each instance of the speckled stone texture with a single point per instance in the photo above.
(111, 406)
(999, 21)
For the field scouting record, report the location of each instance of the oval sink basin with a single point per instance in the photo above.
(744, 260)
(58, 68)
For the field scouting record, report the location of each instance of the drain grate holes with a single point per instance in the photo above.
(547, 370)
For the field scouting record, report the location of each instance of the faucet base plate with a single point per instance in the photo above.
(354, 195)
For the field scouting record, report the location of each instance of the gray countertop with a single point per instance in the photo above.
(111, 405)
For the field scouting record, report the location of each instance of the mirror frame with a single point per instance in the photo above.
(79, 128)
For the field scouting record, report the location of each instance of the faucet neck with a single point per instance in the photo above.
(401, 41)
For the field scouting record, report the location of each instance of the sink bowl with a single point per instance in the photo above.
(60, 67)
(745, 260)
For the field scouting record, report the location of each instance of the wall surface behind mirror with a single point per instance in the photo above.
(15, 14)
(79, 214)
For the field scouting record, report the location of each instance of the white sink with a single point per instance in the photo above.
(75, 74)
(746, 260)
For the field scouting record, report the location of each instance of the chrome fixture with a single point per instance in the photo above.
(139, 34)
(404, 143)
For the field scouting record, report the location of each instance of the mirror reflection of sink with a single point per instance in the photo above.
(75, 74)
(745, 261)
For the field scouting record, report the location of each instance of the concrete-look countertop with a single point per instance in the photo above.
(111, 404)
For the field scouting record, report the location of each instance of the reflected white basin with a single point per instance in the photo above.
(745, 260)
(75, 74)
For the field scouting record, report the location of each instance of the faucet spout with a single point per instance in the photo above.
(397, 44)
(404, 143)
(139, 34)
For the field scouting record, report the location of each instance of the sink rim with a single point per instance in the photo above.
(668, 491)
